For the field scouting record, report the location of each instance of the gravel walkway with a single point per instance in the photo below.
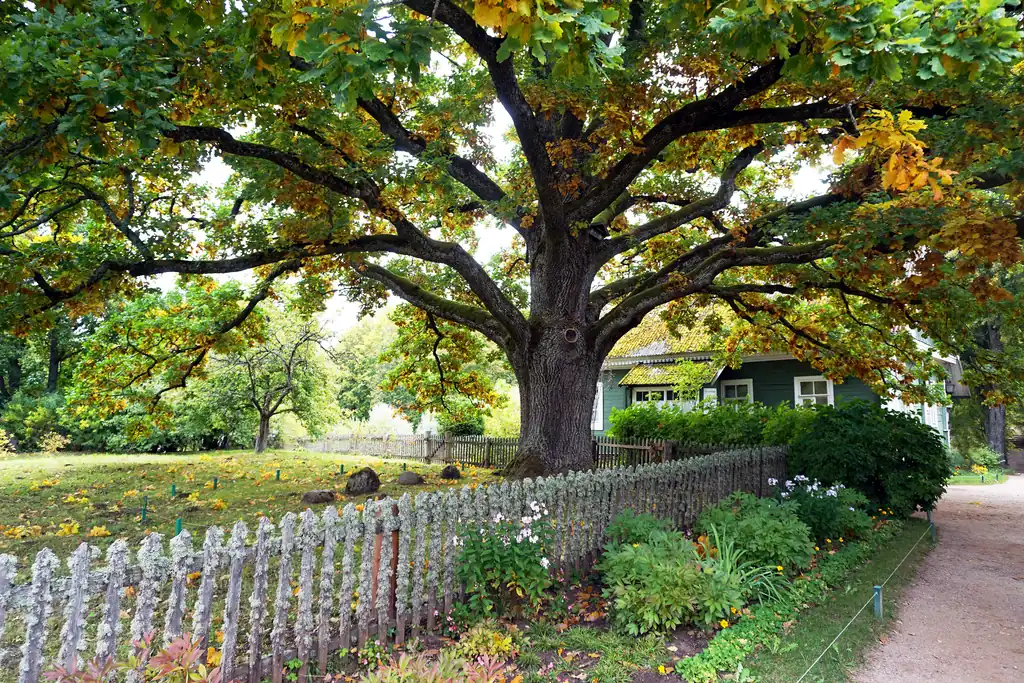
(962, 620)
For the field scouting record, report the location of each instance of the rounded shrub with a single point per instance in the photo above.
(890, 457)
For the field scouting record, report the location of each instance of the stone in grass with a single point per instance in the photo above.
(410, 478)
(318, 497)
(362, 482)
(451, 472)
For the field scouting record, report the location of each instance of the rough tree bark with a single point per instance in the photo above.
(263, 433)
(53, 373)
(995, 416)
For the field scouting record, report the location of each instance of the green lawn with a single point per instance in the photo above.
(39, 494)
(993, 476)
(816, 627)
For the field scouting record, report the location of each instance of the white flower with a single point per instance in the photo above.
(832, 493)
(497, 518)
(544, 562)
(789, 484)
(456, 541)
(772, 481)
(852, 510)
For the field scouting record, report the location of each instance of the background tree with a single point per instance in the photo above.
(356, 137)
(288, 371)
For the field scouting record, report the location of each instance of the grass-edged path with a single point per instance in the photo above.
(962, 619)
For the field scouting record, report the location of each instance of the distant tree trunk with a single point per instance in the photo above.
(995, 416)
(263, 435)
(13, 375)
(53, 374)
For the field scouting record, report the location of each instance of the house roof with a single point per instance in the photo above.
(641, 375)
(653, 338)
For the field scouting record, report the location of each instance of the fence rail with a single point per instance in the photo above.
(496, 452)
(385, 571)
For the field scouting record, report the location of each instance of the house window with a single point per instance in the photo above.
(655, 395)
(597, 413)
(737, 391)
(810, 391)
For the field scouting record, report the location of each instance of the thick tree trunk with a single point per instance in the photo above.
(995, 416)
(263, 434)
(13, 375)
(556, 388)
(53, 374)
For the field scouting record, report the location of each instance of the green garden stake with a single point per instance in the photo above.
(215, 481)
(404, 467)
(174, 490)
(277, 477)
(983, 479)
(177, 526)
(145, 505)
(878, 601)
(341, 469)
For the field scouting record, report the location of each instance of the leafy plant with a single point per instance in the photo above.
(6, 445)
(652, 586)
(446, 668)
(52, 442)
(179, 662)
(768, 532)
(504, 566)
(489, 639)
(828, 511)
(740, 423)
(984, 456)
(888, 456)
(629, 527)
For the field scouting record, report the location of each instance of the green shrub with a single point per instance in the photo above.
(768, 532)
(828, 511)
(504, 566)
(629, 527)
(28, 418)
(489, 639)
(653, 586)
(735, 423)
(891, 457)
(984, 456)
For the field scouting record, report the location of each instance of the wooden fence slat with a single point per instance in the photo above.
(283, 596)
(364, 608)
(236, 564)
(153, 565)
(383, 579)
(406, 532)
(419, 560)
(202, 615)
(8, 568)
(110, 621)
(181, 554)
(46, 563)
(326, 605)
(258, 598)
(351, 531)
(76, 611)
(307, 567)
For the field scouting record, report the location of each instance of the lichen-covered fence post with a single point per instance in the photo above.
(8, 568)
(202, 616)
(307, 567)
(406, 534)
(330, 525)
(181, 554)
(76, 611)
(351, 531)
(110, 621)
(236, 564)
(40, 606)
(258, 598)
(282, 596)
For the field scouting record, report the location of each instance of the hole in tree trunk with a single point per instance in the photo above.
(572, 335)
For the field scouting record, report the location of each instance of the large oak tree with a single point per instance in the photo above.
(656, 152)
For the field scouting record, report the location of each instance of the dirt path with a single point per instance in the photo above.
(962, 620)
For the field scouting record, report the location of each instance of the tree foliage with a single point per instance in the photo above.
(656, 149)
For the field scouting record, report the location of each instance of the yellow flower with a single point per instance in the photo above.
(661, 669)
(98, 532)
(723, 623)
(131, 493)
(218, 504)
(841, 540)
(212, 656)
(733, 609)
(828, 540)
(816, 548)
(359, 508)
(68, 529)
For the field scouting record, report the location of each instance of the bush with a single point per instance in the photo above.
(488, 639)
(768, 532)
(891, 457)
(504, 566)
(180, 661)
(29, 418)
(447, 668)
(652, 586)
(984, 456)
(629, 527)
(736, 423)
(828, 511)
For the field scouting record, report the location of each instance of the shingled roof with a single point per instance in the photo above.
(652, 338)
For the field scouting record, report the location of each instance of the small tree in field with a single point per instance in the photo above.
(286, 372)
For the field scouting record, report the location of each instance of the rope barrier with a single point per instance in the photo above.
(863, 607)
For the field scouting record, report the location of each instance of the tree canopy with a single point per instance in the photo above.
(655, 158)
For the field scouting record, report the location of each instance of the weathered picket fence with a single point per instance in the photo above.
(317, 584)
(496, 452)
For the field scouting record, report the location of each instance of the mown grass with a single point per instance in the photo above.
(993, 476)
(817, 626)
(39, 494)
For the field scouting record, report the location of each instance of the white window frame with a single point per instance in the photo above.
(748, 383)
(812, 378)
(597, 412)
(676, 401)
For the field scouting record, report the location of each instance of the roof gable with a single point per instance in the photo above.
(653, 338)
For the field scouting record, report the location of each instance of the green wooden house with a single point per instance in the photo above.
(643, 368)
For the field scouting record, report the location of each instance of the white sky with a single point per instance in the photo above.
(342, 314)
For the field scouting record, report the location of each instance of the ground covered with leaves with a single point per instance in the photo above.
(58, 501)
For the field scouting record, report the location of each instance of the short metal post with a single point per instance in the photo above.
(878, 602)
(341, 469)
(174, 490)
(145, 506)
(177, 526)
(983, 479)
(277, 476)
(215, 482)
